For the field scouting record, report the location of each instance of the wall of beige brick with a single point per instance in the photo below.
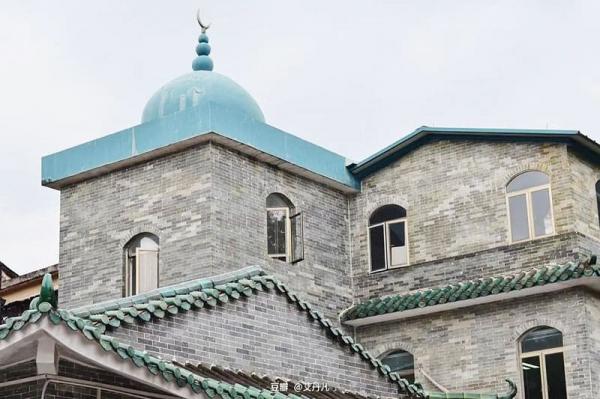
(477, 348)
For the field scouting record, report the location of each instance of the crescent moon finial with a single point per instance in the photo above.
(204, 27)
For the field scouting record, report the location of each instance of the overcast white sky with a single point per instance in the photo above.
(352, 76)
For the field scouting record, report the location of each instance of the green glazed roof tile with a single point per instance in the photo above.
(93, 322)
(206, 292)
(585, 267)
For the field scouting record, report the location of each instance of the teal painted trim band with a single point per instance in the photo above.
(195, 122)
(372, 161)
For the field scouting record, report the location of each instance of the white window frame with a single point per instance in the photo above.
(288, 235)
(542, 356)
(139, 267)
(386, 229)
(131, 265)
(528, 191)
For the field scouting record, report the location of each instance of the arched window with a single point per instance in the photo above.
(141, 264)
(388, 238)
(542, 364)
(401, 362)
(598, 198)
(529, 206)
(284, 229)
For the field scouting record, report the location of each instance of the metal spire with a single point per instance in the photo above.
(203, 62)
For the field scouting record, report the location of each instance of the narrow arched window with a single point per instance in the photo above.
(284, 229)
(598, 199)
(542, 364)
(529, 206)
(388, 238)
(401, 362)
(141, 264)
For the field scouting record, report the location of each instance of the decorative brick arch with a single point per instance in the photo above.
(277, 189)
(383, 349)
(384, 200)
(142, 228)
(527, 167)
(518, 332)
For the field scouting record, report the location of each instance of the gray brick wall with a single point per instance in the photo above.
(454, 193)
(169, 197)
(584, 176)
(241, 186)
(592, 310)
(207, 206)
(476, 348)
(263, 333)
(492, 262)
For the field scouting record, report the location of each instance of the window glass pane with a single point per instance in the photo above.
(276, 220)
(400, 361)
(527, 180)
(377, 246)
(555, 376)
(387, 212)
(297, 229)
(532, 380)
(397, 238)
(542, 212)
(519, 223)
(278, 201)
(540, 339)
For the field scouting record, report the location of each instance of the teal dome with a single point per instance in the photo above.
(200, 88)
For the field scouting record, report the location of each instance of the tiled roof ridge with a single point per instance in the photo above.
(94, 327)
(155, 365)
(172, 301)
(169, 291)
(584, 266)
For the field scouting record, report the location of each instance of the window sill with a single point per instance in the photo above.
(510, 242)
(389, 269)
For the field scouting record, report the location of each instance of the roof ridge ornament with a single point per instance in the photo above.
(202, 62)
(47, 299)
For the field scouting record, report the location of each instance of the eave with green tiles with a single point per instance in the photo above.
(94, 324)
(581, 272)
(217, 291)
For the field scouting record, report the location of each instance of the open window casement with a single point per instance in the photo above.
(146, 270)
(278, 233)
(285, 235)
(284, 229)
(297, 237)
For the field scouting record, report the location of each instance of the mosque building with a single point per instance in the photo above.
(207, 254)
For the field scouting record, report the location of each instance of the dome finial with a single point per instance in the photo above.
(203, 62)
